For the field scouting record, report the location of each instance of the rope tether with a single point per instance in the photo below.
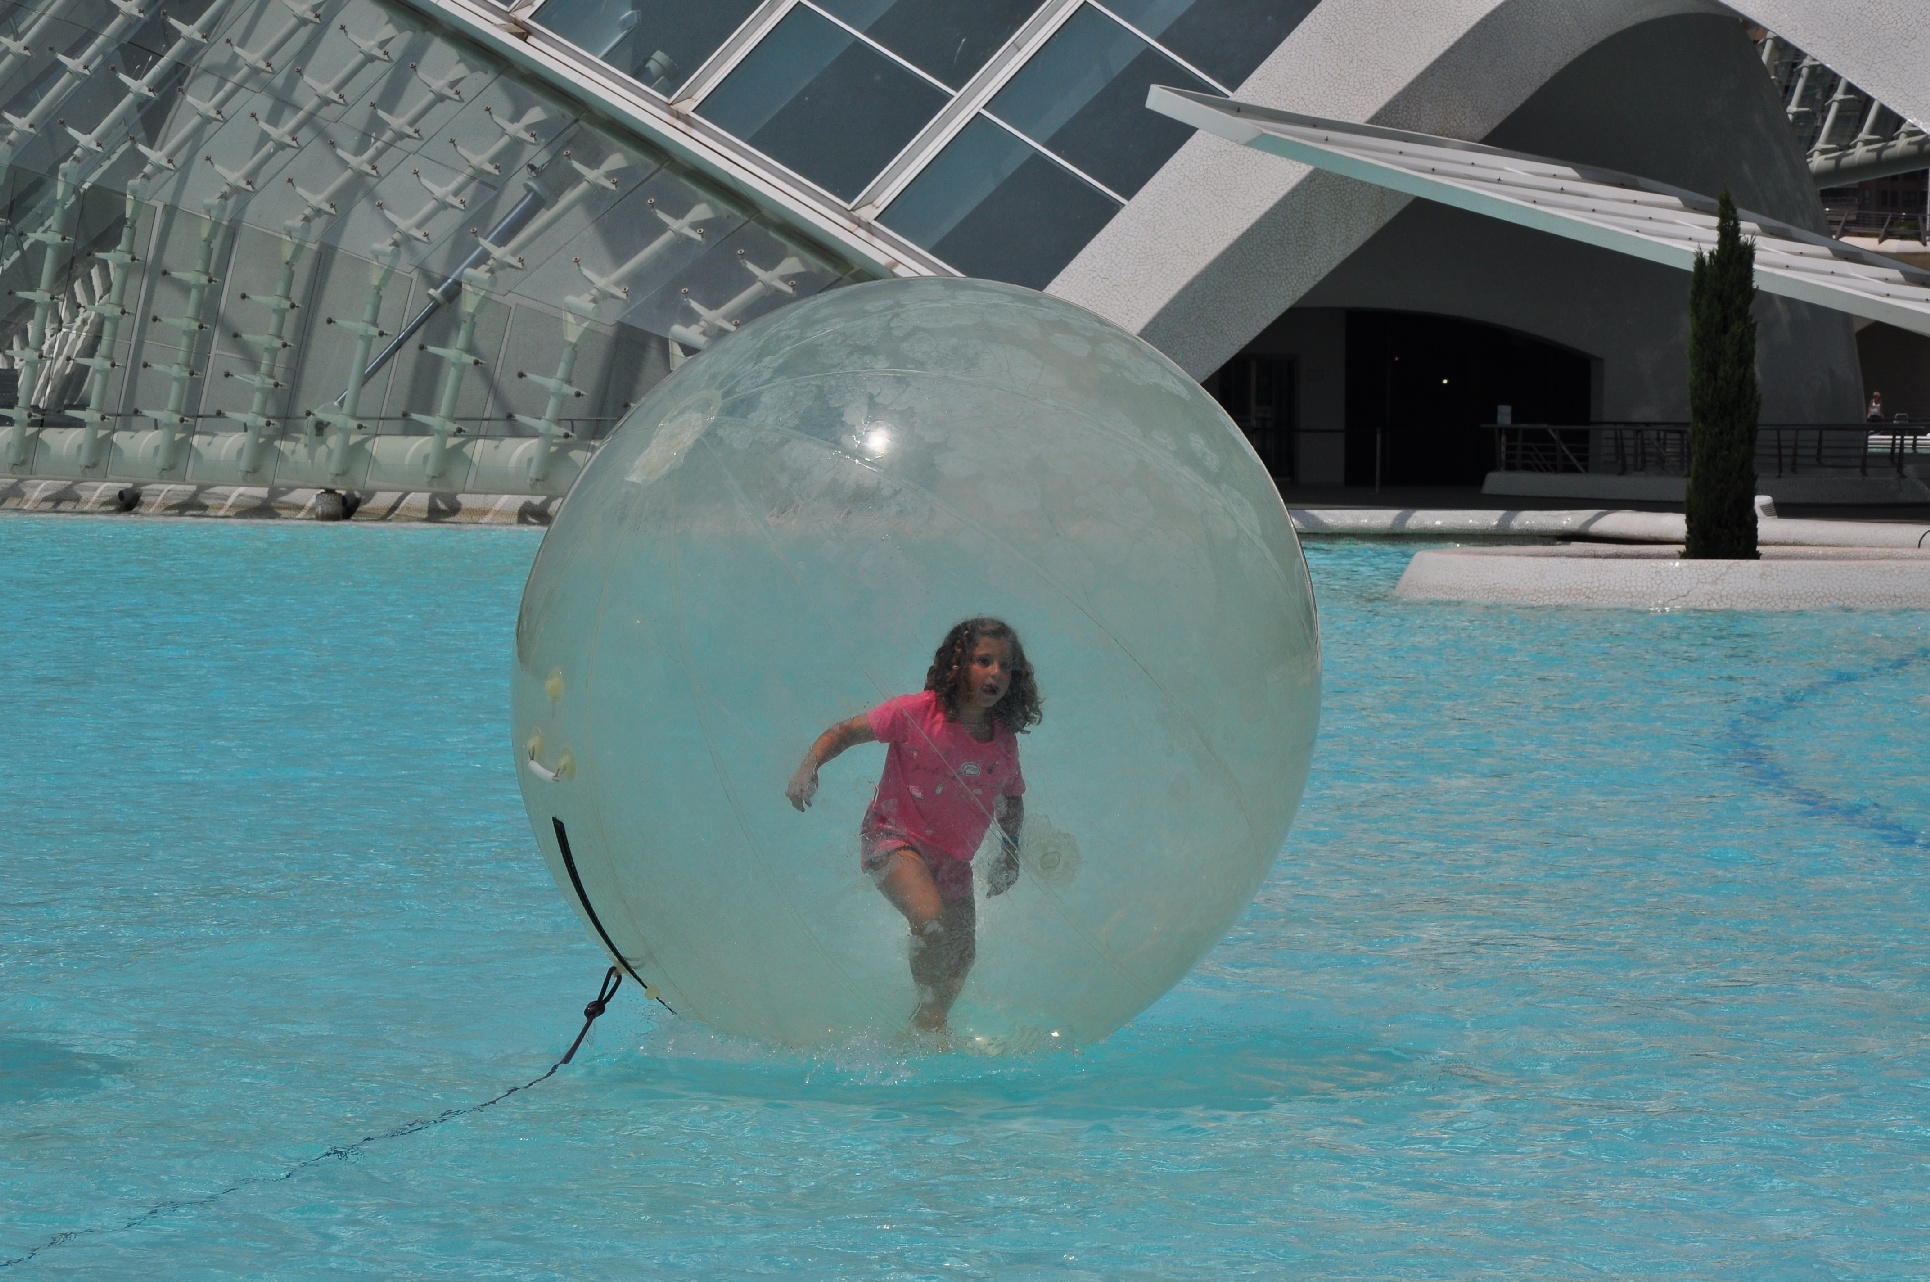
(589, 910)
(612, 980)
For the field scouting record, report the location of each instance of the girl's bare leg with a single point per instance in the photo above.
(943, 944)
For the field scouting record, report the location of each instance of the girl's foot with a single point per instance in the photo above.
(916, 1040)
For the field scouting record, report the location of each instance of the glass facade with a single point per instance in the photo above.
(1083, 97)
(823, 103)
(999, 135)
(992, 205)
(659, 42)
(948, 40)
(1225, 39)
(336, 244)
(340, 242)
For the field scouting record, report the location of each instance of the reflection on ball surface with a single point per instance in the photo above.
(774, 542)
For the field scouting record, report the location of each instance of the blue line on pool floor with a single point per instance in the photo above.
(1757, 760)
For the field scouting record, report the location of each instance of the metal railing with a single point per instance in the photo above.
(1662, 449)
(1539, 447)
(1880, 225)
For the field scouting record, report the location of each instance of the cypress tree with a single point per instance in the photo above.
(1723, 398)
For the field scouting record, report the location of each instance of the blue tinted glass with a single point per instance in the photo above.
(1226, 39)
(990, 205)
(660, 42)
(815, 98)
(1084, 96)
(948, 39)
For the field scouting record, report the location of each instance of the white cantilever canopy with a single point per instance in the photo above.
(1599, 207)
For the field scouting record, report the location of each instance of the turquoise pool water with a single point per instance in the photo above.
(1599, 948)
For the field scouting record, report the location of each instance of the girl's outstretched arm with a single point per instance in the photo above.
(845, 734)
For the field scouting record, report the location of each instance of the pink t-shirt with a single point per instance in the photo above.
(940, 785)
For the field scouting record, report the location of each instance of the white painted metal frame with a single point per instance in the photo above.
(1600, 207)
(759, 25)
(911, 160)
(1106, 9)
(733, 51)
(1047, 153)
(875, 47)
(1871, 152)
(978, 93)
(915, 154)
(751, 35)
(975, 93)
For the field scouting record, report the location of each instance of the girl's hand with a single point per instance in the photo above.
(803, 785)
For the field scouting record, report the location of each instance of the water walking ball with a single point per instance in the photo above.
(778, 538)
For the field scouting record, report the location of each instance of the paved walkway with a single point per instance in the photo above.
(1470, 498)
(1599, 525)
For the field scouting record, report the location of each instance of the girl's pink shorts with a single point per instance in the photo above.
(952, 876)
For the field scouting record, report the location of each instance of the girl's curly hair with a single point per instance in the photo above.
(1018, 711)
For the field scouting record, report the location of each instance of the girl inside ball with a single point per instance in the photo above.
(951, 771)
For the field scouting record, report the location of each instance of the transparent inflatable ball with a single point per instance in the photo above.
(776, 540)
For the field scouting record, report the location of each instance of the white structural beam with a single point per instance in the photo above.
(1881, 45)
(1599, 207)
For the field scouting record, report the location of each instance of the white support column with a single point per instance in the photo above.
(271, 345)
(1844, 95)
(457, 359)
(560, 390)
(174, 424)
(343, 423)
(50, 238)
(112, 310)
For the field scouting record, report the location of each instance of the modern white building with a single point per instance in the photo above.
(445, 244)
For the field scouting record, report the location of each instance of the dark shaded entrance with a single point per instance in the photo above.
(1259, 394)
(1419, 389)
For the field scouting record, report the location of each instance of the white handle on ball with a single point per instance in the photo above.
(565, 766)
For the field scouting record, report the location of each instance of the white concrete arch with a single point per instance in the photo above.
(1691, 108)
(1218, 246)
(1218, 243)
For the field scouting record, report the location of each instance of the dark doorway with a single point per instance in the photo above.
(1420, 388)
(1257, 393)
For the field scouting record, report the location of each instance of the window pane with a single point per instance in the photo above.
(992, 206)
(949, 39)
(660, 42)
(815, 98)
(1226, 39)
(1084, 97)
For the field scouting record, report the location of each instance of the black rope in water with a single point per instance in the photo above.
(612, 981)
